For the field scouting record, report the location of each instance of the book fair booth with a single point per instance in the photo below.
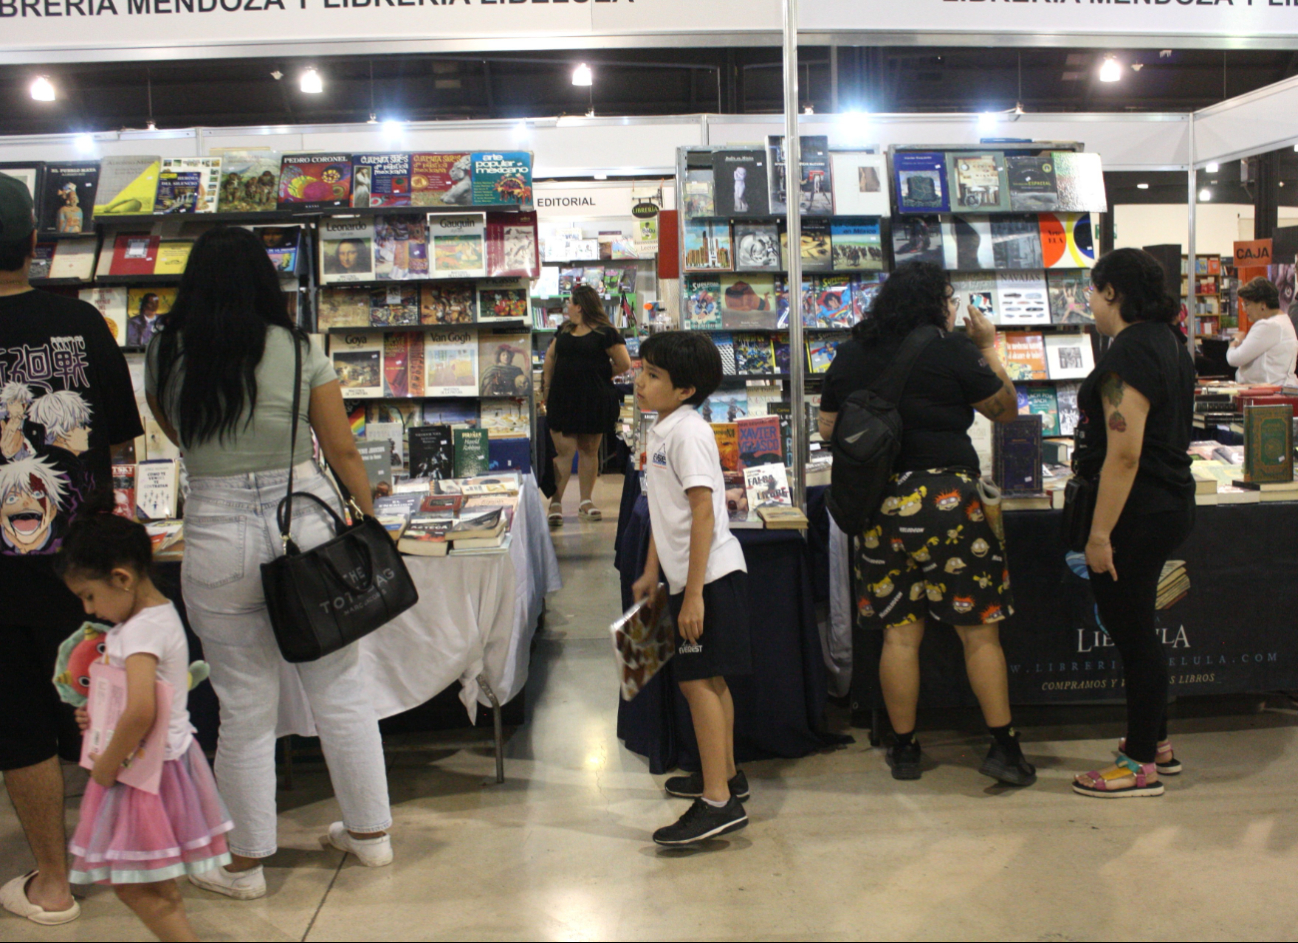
(431, 261)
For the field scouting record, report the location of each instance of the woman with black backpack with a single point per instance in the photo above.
(931, 551)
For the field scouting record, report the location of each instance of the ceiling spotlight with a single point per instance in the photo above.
(582, 75)
(809, 109)
(277, 75)
(601, 176)
(85, 143)
(1111, 71)
(151, 125)
(1137, 66)
(987, 121)
(1212, 166)
(393, 128)
(43, 89)
(1142, 186)
(521, 131)
(374, 119)
(311, 83)
(1205, 195)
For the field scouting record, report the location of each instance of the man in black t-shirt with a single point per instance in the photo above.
(65, 401)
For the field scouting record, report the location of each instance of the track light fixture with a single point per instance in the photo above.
(43, 89)
(311, 83)
(1111, 71)
(582, 75)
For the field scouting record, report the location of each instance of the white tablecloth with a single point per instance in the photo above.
(475, 614)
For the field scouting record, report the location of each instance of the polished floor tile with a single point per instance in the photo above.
(836, 848)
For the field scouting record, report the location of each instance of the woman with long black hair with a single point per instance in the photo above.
(220, 380)
(931, 552)
(1133, 437)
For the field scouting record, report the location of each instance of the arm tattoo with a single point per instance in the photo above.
(1117, 422)
(1112, 388)
(996, 410)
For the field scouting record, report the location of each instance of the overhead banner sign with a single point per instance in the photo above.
(61, 30)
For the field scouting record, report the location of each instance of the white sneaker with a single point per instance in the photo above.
(241, 885)
(372, 852)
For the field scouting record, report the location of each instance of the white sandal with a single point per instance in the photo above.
(555, 516)
(13, 897)
(588, 511)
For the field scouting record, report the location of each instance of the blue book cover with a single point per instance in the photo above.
(921, 182)
(381, 180)
(512, 454)
(502, 178)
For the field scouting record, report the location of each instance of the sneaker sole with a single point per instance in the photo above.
(231, 892)
(715, 833)
(904, 771)
(1007, 775)
(1149, 792)
(1172, 769)
(741, 796)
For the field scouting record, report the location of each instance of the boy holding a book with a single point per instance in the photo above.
(691, 545)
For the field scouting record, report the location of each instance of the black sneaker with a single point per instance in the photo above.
(904, 760)
(1011, 770)
(701, 822)
(691, 786)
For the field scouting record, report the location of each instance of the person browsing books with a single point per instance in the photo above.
(578, 394)
(691, 545)
(1266, 354)
(133, 839)
(1137, 412)
(231, 411)
(931, 552)
(87, 405)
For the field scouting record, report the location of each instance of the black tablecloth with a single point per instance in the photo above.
(779, 708)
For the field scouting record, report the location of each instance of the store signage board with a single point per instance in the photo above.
(60, 30)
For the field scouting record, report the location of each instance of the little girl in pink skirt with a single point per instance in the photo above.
(135, 840)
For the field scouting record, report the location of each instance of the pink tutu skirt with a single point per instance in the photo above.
(127, 836)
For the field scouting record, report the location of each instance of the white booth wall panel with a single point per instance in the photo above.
(1263, 120)
(1217, 226)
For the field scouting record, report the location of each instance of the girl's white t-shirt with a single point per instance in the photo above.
(158, 631)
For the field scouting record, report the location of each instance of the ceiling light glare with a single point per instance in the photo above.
(311, 83)
(1111, 71)
(987, 121)
(43, 89)
(521, 131)
(393, 128)
(583, 76)
(1212, 166)
(1142, 186)
(84, 143)
(1205, 195)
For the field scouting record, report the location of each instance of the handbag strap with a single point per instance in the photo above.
(892, 382)
(286, 506)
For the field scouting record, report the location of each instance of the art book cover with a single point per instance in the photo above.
(471, 452)
(67, 201)
(753, 354)
(346, 250)
(857, 245)
(707, 245)
(451, 357)
(124, 491)
(1066, 398)
(458, 244)
(456, 413)
(700, 193)
(343, 307)
(1042, 402)
(143, 307)
(978, 181)
(747, 301)
(42, 258)
(506, 418)
(188, 185)
(817, 245)
(448, 303)
(865, 289)
(740, 180)
(504, 366)
(512, 246)
(725, 405)
(736, 498)
(282, 244)
(757, 247)
(128, 185)
(432, 452)
(814, 180)
(820, 351)
(441, 179)
(767, 486)
(381, 180)
(249, 181)
(1016, 242)
(918, 239)
(1032, 183)
(1067, 240)
(1069, 356)
(1024, 355)
(394, 306)
(921, 182)
(134, 253)
(173, 256)
(315, 181)
(503, 177)
(644, 639)
(860, 184)
(760, 442)
(358, 361)
(727, 438)
(1069, 303)
(1080, 181)
(111, 303)
(835, 307)
(978, 289)
(400, 247)
(725, 345)
(701, 303)
(503, 300)
(396, 363)
(967, 244)
(1022, 298)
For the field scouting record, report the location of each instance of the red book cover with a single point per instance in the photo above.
(512, 245)
(441, 502)
(441, 179)
(124, 491)
(134, 253)
(760, 442)
(396, 365)
(669, 245)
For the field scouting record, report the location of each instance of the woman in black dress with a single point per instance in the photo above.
(578, 393)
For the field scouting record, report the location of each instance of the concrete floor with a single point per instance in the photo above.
(836, 848)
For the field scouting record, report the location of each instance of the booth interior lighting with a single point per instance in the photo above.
(1142, 186)
(311, 83)
(43, 89)
(582, 75)
(987, 121)
(393, 128)
(521, 131)
(85, 144)
(1111, 71)
(1212, 166)
(1205, 195)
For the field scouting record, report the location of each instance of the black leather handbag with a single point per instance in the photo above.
(321, 600)
(1079, 511)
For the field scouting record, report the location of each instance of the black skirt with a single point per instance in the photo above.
(582, 399)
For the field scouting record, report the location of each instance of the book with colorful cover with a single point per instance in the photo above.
(753, 354)
(977, 289)
(451, 357)
(1069, 303)
(834, 307)
(727, 438)
(282, 244)
(346, 250)
(380, 180)
(432, 452)
(1067, 240)
(188, 185)
(471, 452)
(856, 244)
(736, 497)
(865, 291)
(396, 362)
(505, 417)
(977, 181)
(748, 301)
(456, 413)
(441, 179)
(173, 256)
(921, 182)
(1022, 298)
(1042, 401)
(426, 536)
(343, 306)
(700, 193)
(67, 198)
(644, 640)
(458, 244)
(502, 177)
(820, 351)
(702, 303)
(1023, 355)
(727, 405)
(504, 367)
(503, 300)
(725, 345)
(128, 185)
(394, 306)
(512, 246)
(1268, 445)
(767, 486)
(111, 303)
(400, 247)
(760, 441)
(42, 259)
(918, 239)
(124, 491)
(707, 246)
(315, 181)
(106, 701)
(1032, 183)
(448, 303)
(134, 253)
(358, 361)
(249, 181)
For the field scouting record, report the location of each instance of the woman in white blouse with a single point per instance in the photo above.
(1267, 353)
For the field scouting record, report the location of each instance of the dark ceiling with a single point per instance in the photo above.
(223, 92)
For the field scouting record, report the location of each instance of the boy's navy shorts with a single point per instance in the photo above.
(724, 649)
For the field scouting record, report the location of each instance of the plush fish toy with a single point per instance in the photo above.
(80, 650)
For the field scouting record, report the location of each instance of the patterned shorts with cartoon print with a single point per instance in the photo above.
(931, 552)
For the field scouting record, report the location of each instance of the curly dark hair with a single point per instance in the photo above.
(915, 294)
(1138, 280)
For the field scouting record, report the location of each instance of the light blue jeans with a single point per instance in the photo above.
(230, 530)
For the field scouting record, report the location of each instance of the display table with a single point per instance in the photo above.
(779, 708)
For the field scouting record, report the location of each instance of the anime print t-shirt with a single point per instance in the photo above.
(65, 398)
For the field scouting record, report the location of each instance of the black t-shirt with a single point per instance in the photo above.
(65, 398)
(1149, 357)
(584, 358)
(936, 406)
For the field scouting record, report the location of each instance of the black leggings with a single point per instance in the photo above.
(1141, 545)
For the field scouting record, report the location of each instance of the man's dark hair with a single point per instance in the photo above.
(690, 359)
(1261, 290)
(14, 253)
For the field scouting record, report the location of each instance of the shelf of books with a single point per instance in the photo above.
(1212, 294)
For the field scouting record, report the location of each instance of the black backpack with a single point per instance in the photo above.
(867, 439)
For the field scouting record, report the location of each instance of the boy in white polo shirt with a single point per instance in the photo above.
(705, 571)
